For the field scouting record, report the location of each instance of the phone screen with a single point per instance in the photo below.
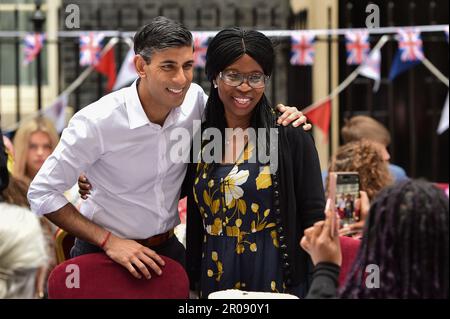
(347, 191)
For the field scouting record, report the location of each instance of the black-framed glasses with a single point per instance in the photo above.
(255, 80)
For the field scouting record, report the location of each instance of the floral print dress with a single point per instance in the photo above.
(240, 248)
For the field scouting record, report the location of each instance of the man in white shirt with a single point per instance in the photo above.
(122, 142)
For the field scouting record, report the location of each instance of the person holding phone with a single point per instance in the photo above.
(403, 215)
(363, 158)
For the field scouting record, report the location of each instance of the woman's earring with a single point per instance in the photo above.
(215, 85)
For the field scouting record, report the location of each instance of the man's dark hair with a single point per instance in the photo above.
(161, 33)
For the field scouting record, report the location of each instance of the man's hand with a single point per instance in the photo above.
(130, 254)
(320, 244)
(84, 187)
(133, 256)
(291, 114)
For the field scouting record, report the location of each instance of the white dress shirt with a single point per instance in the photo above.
(135, 185)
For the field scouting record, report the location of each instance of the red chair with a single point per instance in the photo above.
(349, 250)
(96, 276)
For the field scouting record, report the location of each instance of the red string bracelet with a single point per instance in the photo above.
(105, 240)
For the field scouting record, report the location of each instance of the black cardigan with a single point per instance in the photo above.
(298, 202)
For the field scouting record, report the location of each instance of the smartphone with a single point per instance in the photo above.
(344, 189)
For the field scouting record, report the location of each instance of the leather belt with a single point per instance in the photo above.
(156, 240)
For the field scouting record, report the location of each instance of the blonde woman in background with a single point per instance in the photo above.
(34, 141)
(22, 245)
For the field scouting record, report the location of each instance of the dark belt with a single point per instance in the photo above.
(156, 240)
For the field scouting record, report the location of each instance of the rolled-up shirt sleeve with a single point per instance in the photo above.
(79, 147)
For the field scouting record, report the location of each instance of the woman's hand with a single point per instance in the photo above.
(320, 243)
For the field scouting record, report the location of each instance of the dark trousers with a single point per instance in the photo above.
(171, 248)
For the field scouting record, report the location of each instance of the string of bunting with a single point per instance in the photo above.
(102, 59)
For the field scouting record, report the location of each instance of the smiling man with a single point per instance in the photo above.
(122, 142)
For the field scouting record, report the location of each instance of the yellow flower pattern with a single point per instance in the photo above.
(235, 203)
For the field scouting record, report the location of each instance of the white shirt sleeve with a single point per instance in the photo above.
(80, 146)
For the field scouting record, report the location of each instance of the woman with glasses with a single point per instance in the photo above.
(246, 214)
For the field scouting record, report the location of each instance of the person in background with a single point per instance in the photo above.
(34, 141)
(22, 244)
(363, 157)
(364, 127)
(406, 236)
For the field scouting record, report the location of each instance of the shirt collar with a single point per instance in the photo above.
(135, 110)
(136, 114)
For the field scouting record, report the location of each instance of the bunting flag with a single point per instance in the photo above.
(57, 112)
(107, 67)
(90, 47)
(127, 73)
(443, 123)
(33, 43)
(410, 45)
(371, 68)
(399, 66)
(321, 116)
(200, 47)
(302, 48)
(357, 45)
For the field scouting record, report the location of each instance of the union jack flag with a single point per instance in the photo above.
(200, 47)
(90, 47)
(302, 48)
(33, 44)
(410, 45)
(357, 45)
